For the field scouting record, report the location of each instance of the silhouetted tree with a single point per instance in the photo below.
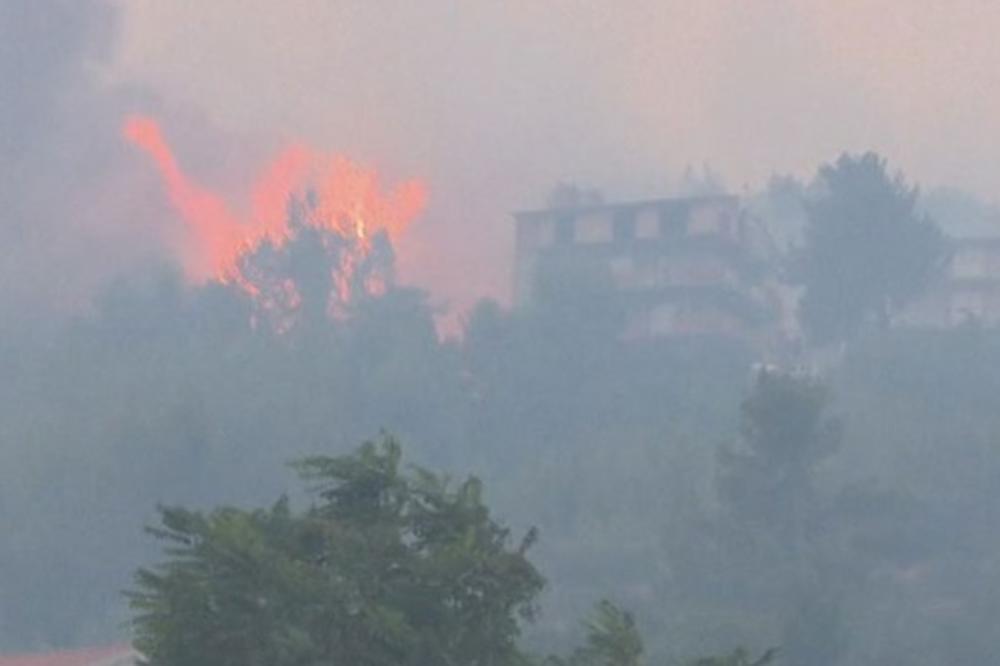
(785, 432)
(866, 251)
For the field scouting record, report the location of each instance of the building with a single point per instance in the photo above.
(688, 266)
(969, 291)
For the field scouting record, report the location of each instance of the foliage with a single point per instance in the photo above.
(386, 568)
(785, 433)
(740, 657)
(866, 251)
(164, 394)
(317, 273)
(612, 640)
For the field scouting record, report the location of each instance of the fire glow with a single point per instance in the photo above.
(347, 200)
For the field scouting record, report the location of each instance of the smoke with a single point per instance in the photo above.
(493, 103)
(166, 394)
(331, 195)
(67, 211)
(496, 102)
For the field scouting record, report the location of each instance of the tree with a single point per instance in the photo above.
(785, 433)
(317, 273)
(866, 251)
(768, 485)
(385, 568)
(740, 657)
(612, 640)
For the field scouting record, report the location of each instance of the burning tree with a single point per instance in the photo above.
(315, 273)
(317, 235)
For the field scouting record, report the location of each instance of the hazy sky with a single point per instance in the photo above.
(493, 102)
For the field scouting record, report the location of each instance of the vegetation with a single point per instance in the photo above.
(738, 658)
(612, 640)
(836, 516)
(867, 251)
(385, 568)
(768, 481)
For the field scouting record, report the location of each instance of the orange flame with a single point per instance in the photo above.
(349, 202)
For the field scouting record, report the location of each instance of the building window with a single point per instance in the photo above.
(564, 230)
(593, 228)
(647, 224)
(970, 264)
(726, 225)
(705, 221)
(624, 226)
(673, 222)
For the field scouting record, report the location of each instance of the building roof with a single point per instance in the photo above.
(626, 205)
(108, 655)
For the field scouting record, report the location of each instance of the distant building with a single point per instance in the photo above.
(969, 291)
(690, 266)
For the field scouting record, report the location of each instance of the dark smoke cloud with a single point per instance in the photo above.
(46, 48)
(71, 212)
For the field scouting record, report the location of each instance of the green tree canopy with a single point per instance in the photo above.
(387, 567)
(785, 432)
(866, 251)
(612, 640)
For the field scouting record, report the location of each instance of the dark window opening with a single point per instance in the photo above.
(564, 230)
(624, 226)
(673, 222)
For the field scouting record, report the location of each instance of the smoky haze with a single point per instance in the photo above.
(493, 103)
(809, 463)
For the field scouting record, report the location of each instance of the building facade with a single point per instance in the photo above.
(690, 266)
(967, 293)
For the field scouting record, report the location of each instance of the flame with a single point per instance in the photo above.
(349, 202)
(214, 230)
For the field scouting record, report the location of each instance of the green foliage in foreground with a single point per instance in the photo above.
(612, 640)
(386, 568)
(738, 658)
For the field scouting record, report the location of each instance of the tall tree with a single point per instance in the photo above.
(768, 483)
(386, 568)
(866, 251)
(785, 432)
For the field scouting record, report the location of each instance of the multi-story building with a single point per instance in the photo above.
(968, 292)
(691, 266)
